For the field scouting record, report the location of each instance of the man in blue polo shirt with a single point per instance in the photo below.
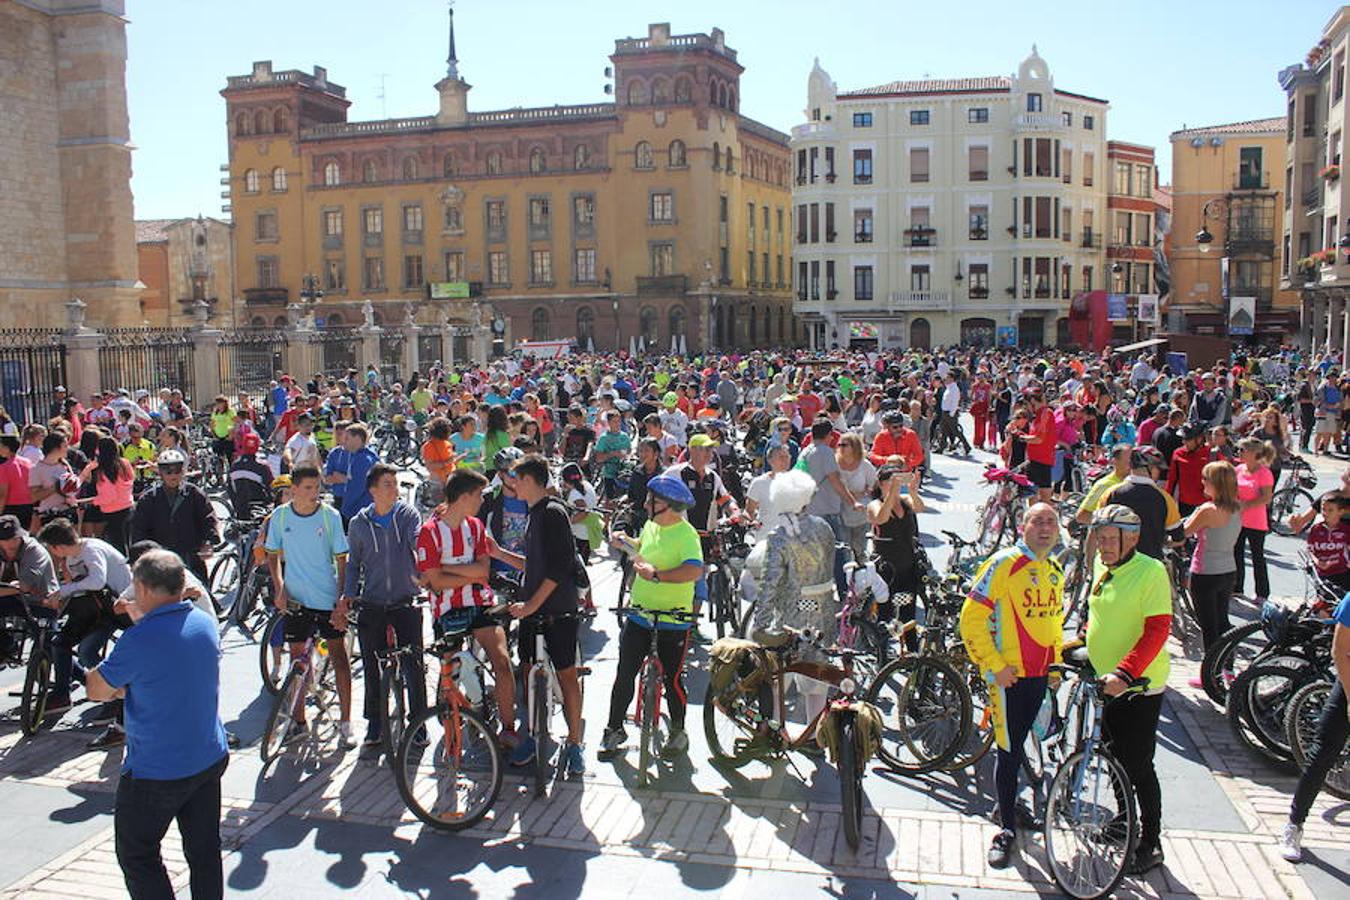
(167, 668)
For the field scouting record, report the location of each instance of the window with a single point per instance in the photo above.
(979, 223)
(1122, 233)
(801, 167)
(1067, 118)
(373, 220)
(918, 164)
(1122, 182)
(334, 275)
(372, 274)
(979, 281)
(803, 276)
(251, 181)
(331, 174)
(662, 207)
(862, 226)
(278, 179)
(1044, 161)
(750, 223)
(269, 272)
(585, 326)
(1249, 167)
(662, 258)
(1066, 224)
(1087, 125)
(412, 271)
(583, 213)
(920, 278)
(676, 156)
(642, 155)
(454, 218)
(831, 288)
(750, 267)
(979, 163)
(1338, 77)
(862, 120)
(496, 219)
(412, 219)
(539, 325)
(584, 266)
(1143, 236)
(977, 115)
(729, 159)
(537, 161)
(1089, 163)
(675, 321)
(918, 117)
(829, 223)
(920, 232)
(682, 90)
(801, 223)
(1033, 102)
(454, 265)
(265, 227)
(368, 171)
(637, 92)
(494, 163)
(862, 166)
(815, 279)
(409, 169)
(448, 165)
(1066, 165)
(541, 267)
(716, 156)
(581, 157)
(778, 269)
(498, 272)
(815, 223)
(332, 223)
(862, 282)
(1143, 181)
(540, 215)
(243, 124)
(815, 157)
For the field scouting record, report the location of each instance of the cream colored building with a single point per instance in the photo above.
(184, 262)
(945, 211)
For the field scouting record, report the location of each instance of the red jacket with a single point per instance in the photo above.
(1184, 472)
(906, 446)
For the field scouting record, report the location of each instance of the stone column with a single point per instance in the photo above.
(412, 356)
(299, 345)
(82, 344)
(370, 346)
(205, 353)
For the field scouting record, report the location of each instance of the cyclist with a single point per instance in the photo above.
(176, 515)
(307, 536)
(222, 429)
(669, 561)
(27, 577)
(1012, 627)
(301, 448)
(1120, 469)
(381, 583)
(1156, 509)
(1129, 618)
(141, 453)
(360, 460)
(249, 480)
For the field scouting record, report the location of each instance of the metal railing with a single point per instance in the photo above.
(148, 359)
(249, 359)
(32, 365)
(339, 347)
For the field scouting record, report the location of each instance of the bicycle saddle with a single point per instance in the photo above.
(1077, 656)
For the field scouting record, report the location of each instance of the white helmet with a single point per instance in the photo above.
(171, 457)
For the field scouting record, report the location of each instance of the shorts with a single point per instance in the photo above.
(560, 640)
(1039, 473)
(464, 619)
(223, 447)
(301, 626)
(1327, 425)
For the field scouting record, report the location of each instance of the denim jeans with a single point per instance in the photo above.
(836, 523)
(145, 807)
(86, 631)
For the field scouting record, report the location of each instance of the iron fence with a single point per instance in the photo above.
(32, 366)
(339, 349)
(430, 349)
(391, 355)
(148, 358)
(249, 360)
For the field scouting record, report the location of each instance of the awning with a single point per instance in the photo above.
(1142, 345)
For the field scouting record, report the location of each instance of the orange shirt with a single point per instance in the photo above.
(437, 454)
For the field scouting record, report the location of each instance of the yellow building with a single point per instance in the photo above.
(660, 216)
(1227, 186)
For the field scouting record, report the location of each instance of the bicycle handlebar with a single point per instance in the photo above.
(656, 615)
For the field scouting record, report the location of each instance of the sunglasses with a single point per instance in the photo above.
(171, 469)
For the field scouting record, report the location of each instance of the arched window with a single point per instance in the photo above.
(332, 175)
(537, 160)
(721, 95)
(243, 124)
(717, 156)
(494, 163)
(731, 99)
(585, 326)
(782, 319)
(642, 155)
(257, 322)
(676, 321)
(920, 334)
(682, 90)
(712, 92)
(729, 166)
(448, 166)
(278, 179)
(410, 169)
(539, 325)
(280, 322)
(677, 155)
(637, 92)
(647, 324)
(368, 172)
(279, 121)
(261, 122)
(660, 90)
(581, 157)
(251, 181)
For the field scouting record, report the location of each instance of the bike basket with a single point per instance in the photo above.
(867, 725)
(736, 665)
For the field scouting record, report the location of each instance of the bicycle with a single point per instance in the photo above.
(1301, 722)
(234, 576)
(447, 764)
(998, 516)
(724, 607)
(545, 694)
(273, 649)
(654, 725)
(1294, 499)
(300, 683)
(37, 631)
(398, 665)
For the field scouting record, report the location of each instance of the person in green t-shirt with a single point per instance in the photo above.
(611, 449)
(1129, 619)
(222, 428)
(669, 559)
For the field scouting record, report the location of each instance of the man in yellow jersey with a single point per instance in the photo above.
(1012, 625)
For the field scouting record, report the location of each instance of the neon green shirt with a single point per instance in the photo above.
(422, 400)
(1117, 608)
(661, 379)
(667, 547)
(221, 423)
(1099, 488)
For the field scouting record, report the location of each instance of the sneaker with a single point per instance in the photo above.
(1291, 842)
(57, 703)
(1145, 858)
(372, 738)
(613, 739)
(345, 739)
(1001, 850)
(112, 736)
(676, 746)
(573, 761)
(232, 740)
(508, 738)
(524, 752)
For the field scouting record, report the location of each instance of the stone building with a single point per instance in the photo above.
(65, 164)
(659, 217)
(184, 261)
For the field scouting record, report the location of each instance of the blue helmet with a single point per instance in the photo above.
(672, 490)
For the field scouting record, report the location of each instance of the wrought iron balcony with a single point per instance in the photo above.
(1091, 241)
(1259, 242)
(662, 284)
(268, 296)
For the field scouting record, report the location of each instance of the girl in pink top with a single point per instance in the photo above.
(1256, 485)
(112, 477)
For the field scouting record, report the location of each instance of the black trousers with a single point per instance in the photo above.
(634, 641)
(1210, 595)
(1332, 732)
(1257, 540)
(145, 807)
(1307, 421)
(1130, 727)
(372, 629)
(117, 529)
(1021, 703)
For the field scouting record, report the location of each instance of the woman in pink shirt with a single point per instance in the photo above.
(15, 498)
(112, 477)
(1256, 484)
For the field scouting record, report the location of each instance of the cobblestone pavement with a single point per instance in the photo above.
(319, 820)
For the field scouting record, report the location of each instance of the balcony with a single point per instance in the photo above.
(1091, 241)
(862, 237)
(1254, 241)
(1312, 198)
(814, 131)
(1251, 181)
(920, 300)
(667, 285)
(920, 236)
(266, 296)
(1041, 121)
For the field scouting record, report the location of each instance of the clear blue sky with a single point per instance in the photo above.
(1161, 63)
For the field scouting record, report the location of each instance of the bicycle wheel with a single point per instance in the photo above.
(1232, 653)
(393, 706)
(1302, 721)
(728, 722)
(1287, 503)
(273, 652)
(224, 578)
(747, 618)
(37, 682)
(652, 723)
(926, 713)
(980, 738)
(850, 780)
(448, 768)
(540, 691)
(283, 718)
(720, 602)
(1257, 703)
(1091, 825)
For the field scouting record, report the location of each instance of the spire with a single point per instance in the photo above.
(452, 64)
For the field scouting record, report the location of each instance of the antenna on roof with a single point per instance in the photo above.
(380, 95)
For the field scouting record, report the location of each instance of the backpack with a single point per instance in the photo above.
(867, 723)
(737, 666)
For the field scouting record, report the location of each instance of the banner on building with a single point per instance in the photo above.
(1007, 335)
(1241, 315)
(449, 290)
(1117, 310)
(863, 331)
(1148, 309)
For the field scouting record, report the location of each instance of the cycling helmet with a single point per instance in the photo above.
(1114, 416)
(672, 490)
(250, 444)
(1115, 515)
(171, 457)
(572, 472)
(281, 481)
(507, 457)
(1146, 458)
(894, 417)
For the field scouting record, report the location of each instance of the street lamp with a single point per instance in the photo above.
(1215, 206)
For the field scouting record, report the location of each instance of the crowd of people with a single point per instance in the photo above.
(526, 464)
